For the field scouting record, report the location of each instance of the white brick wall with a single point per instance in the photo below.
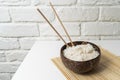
(87, 2)
(21, 25)
(98, 2)
(5, 76)
(15, 2)
(4, 15)
(100, 28)
(18, 30)
(110, 14)
(79, 14)
(73, 29)
(30, 14)
(55, 2)
(26, 43)
(2, 57)
(63, 2)
(8, 67)
(9, 43)
(15, 55)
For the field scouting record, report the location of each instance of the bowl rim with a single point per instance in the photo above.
(94, 45)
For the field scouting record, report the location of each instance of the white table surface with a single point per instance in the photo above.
(38, 65)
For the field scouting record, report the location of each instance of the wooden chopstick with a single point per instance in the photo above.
(52, 26)
(61, 23)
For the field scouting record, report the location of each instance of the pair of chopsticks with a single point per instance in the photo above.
(53, 26)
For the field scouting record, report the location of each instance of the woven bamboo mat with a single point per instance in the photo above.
(108, 69)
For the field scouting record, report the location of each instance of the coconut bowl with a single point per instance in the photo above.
(80, 66)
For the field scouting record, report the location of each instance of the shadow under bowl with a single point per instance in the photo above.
(80, 66)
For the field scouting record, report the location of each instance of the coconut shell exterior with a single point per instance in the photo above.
(80, 66)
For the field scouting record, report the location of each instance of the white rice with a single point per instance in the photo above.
(81, 52)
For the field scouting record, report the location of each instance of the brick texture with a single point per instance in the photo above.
(99, 2)
(110, 14)
(4, 15)
(8, 43)
(15, 55)
(21, 25)
(8, 67)
(18, 30)
(5, 76)
(78, 14)
(73, 29)
(100, 28)
(30, 14)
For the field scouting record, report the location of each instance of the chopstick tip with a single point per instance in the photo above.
(37, 8)
(50, 2)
